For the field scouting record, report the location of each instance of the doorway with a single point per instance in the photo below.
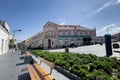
(49, 43)
(87, 41)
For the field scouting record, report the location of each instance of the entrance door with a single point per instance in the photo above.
(86, 41)
(49, 43)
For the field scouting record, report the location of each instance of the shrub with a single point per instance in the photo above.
(118, 75)
(99, 75)
(83, 74)
(116, 45)
(92, 67)
(84, 67)
(80, 71)
(75, 69)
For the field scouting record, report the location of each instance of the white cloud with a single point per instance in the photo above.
(62, 23)
(103, 7)
(118, 1)
(111, 29)
(106, 5)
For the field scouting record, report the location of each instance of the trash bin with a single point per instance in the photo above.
(108, 45)
(66, 49)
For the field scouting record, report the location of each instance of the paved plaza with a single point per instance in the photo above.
(97, 49)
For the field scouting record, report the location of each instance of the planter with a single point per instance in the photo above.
(64, 72)
(67, 73)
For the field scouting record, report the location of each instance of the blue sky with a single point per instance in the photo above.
(31, 15)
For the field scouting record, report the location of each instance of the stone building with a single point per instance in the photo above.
(4, 37)
(56, 36)
(116, 37)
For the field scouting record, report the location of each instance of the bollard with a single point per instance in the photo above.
(66, 49)
(108, 45)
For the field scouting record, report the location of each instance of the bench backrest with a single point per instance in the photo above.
(46, 62)
(37, 72)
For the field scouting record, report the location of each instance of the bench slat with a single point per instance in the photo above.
(44, 73)
(47, 62)
(33, 74)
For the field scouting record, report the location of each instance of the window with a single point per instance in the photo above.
(6, 45)
(66, 42)
(72, 32)
(83, 33)
(66, 33)
(88, 33)
(78, 33)
(79, 42)
(60, 33)
(61, 42)
(52, 42)
(49, 32)
(2, 45)
(72, 41)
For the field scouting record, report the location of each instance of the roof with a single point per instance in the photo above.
(72, 27)
(5, 25)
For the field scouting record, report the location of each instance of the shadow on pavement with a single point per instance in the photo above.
(24, 76)
(18, 64)
(21, 57)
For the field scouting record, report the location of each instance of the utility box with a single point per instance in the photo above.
(108, 45)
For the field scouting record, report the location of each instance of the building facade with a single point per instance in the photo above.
(4, 37)
(56, 36)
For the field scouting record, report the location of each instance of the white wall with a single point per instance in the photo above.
(4, 37)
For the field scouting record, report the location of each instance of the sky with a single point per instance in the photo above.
(31, 15)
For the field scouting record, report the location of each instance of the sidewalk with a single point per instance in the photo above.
(11, 65)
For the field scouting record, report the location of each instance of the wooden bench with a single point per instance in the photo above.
(28, 58)
(37, 72)
(51, 65)
(26, 55)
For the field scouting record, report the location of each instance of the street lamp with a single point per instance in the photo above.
(15, 31)
(19, 30)
(109, 28)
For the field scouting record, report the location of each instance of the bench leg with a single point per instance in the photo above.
(50, 71)
(40, 62)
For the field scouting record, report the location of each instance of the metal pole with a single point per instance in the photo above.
(107, 30)
(13, 39)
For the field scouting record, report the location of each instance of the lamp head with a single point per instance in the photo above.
(19, 30)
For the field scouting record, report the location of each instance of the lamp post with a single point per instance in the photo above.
(109, 28)
(14, 34)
